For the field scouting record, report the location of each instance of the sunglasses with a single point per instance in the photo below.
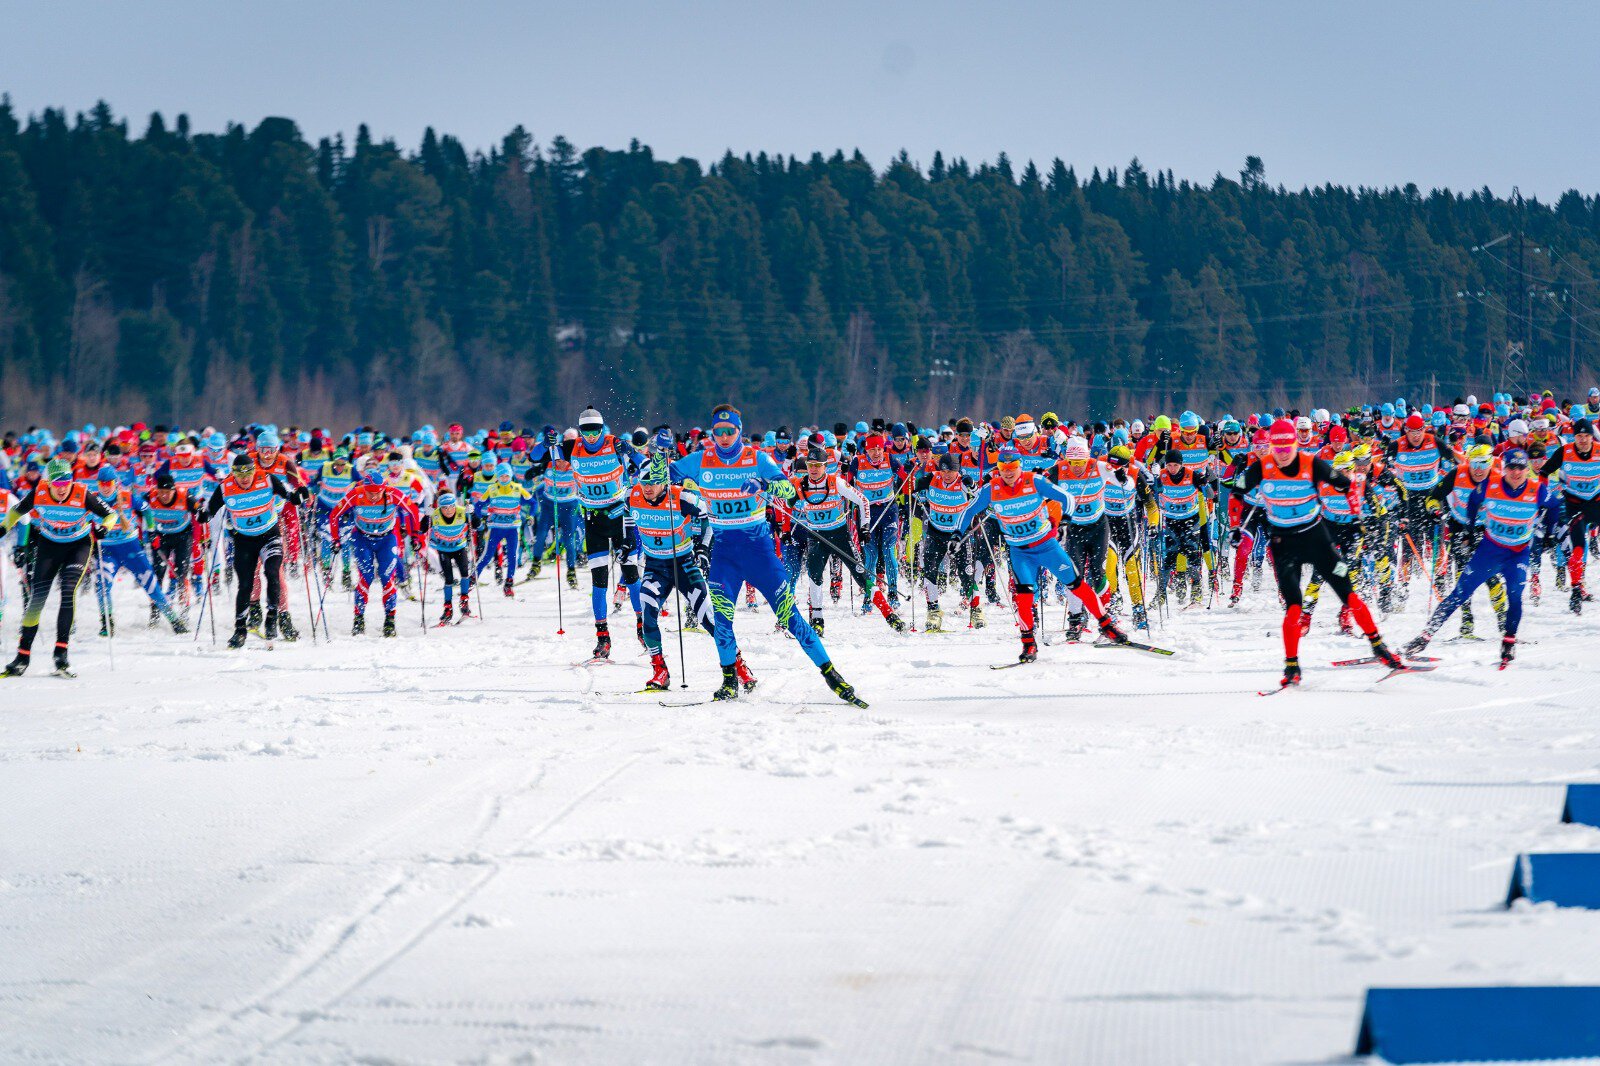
(724, 431)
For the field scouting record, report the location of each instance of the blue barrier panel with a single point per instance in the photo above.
(1583, 805)
(1567, 879)
(1403, 1025)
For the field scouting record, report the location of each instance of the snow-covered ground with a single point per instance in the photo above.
(457, 846)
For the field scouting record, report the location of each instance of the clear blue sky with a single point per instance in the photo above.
(1463, 94)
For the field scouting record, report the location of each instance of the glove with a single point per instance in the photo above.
(783, 490)
(1432, 505)
(549, 435)
(753, 486)
(1235, 537)
(1550, 541)
(702, 559)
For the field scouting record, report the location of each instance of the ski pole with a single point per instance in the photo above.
(561, 624)
(305, 572)
(109, 616)
(422, 600)
(322, 600)
(472, 559)
(677, 605)
(215, 532)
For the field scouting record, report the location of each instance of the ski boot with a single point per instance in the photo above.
(1535, 589)
(602, 642)
(840, 686)
(108, 626)
(466, 607)
(1196, 586)
(1111, 632)
(155, 616)
(886, 609)
(1076, 624)
(509, 591)
(660, 680)
(1575, 605)
(360, 626)
(976, 616)
(1467, 625)
(1418, 644)
(935, 622)
(749, 597)
(1233, 597)
(239, 635)
(499, 572)
(388, 623)
(534, 568)
(816, 622)
(1383, 654)
(572, 579)
(344, 580)
(1291, 673)
(1305, 618)
(729, 690)
(327, 577)
(269, 627)
(742, 672)
(252, 616)
(1346, 623)
(18, 666)
(1030, 650)
(286, 628)
(1140, 620)
(836, 581)
(449, 613)
(61, 664)
(1508, 650)
(990, 593)
(177, 622)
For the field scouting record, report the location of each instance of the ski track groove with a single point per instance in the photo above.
(375, 968)
(1007, 966)
(453, 905)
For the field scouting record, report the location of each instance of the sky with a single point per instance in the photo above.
(1463, 94)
